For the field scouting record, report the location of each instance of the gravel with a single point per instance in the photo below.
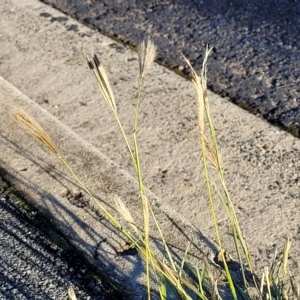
(35, 261)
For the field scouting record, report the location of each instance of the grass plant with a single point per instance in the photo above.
(180, 279)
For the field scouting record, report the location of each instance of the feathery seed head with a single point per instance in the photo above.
(34, 128)
(147, 54)
(124, 212)
(102, 81)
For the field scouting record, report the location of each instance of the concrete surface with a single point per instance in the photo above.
(42, 57)
(255, 60)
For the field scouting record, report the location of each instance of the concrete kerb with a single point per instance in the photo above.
(38, 173)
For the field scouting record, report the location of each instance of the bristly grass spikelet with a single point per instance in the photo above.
(34, 128)
(147, 54)
(102, 81)
(124, 212)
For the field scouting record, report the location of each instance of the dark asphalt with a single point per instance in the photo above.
(35, 261)
(256, 46)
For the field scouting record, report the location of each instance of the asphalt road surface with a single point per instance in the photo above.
(35, 261)
(256, 46)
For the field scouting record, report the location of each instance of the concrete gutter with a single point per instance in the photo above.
(43, 71)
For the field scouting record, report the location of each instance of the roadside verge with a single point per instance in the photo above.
(42, 56)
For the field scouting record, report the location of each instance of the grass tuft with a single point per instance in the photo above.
(176, 278)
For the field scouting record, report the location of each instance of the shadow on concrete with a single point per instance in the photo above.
(99, 248)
